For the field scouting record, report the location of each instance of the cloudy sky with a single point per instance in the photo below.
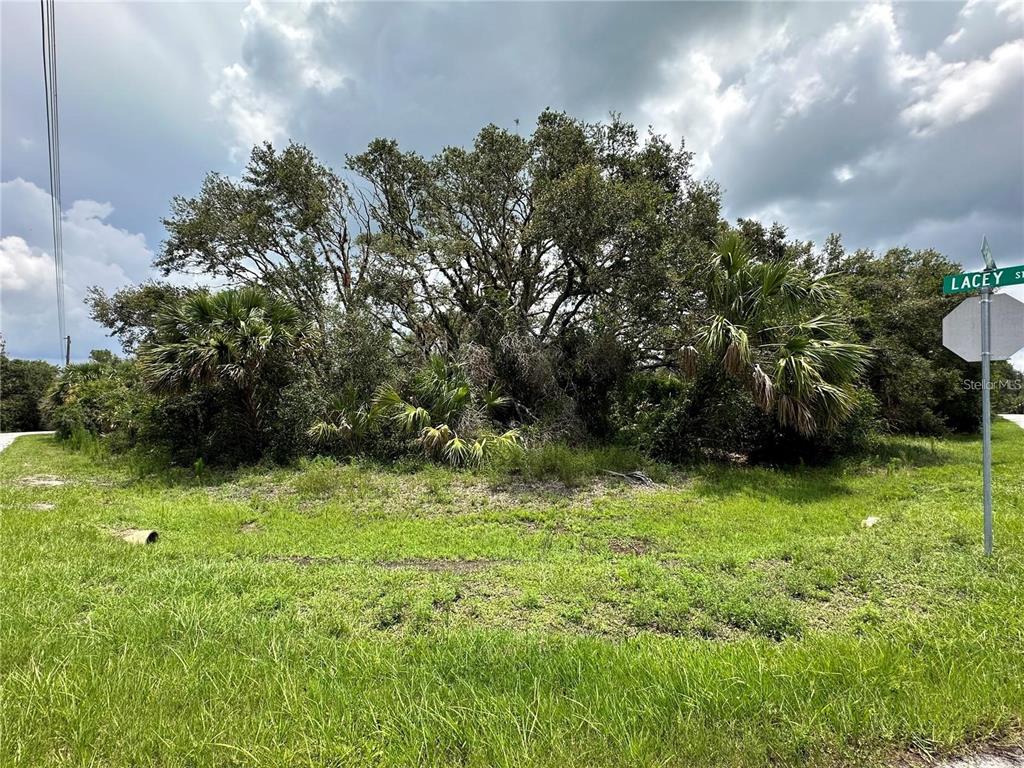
(890, 123)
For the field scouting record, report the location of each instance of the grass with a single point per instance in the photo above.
(543, 614)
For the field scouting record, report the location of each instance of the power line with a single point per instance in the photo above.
(49, 37)
(56, 153)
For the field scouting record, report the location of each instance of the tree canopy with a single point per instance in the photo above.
(579, 273)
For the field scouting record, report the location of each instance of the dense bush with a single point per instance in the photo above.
(708, 417)
(23, 383)
(1008, 396)
(437, 408)
(681, 420)
(854, 435)
(575, 286)
(103, 397)
(896, 305)
(235, 351)
(359, 359)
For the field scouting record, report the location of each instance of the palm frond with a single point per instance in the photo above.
(762, 388)
(689, 357)
(325, 431)
(434, 439)
(457, 451)
(411, 418)
(494, 401)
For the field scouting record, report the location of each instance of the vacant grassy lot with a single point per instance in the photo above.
(345, 615)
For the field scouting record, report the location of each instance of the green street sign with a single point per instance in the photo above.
(990, 278)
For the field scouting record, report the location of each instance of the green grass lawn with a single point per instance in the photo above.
(337, 615)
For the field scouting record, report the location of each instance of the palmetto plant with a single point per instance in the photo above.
(347, 421)
(447, 418)
(768, 324)
(232, 339)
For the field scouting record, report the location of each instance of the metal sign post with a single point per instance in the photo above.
(997, 337)
(986, 412)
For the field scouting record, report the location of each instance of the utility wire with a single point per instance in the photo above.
(56, 150)
(49, 37)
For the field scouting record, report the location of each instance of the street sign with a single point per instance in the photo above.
(989, 278)
(988, 328)
(961, 328)
(986, 254)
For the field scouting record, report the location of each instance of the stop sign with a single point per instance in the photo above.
(961, 328)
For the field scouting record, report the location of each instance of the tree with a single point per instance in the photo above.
(284, 227)
(895, 305)
(23, 383)
(101, 396)
(237, 341)
(772, 326)
(129, 313)
(1008, 395)
(522, 237)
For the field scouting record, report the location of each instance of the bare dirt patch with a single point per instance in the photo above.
(250, 526)
(432, 565)
(46, 481)
(42, 507)
(630, 546)
(438, 565)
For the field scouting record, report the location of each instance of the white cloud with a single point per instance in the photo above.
(960, 90)
(21, 267)
(783, 79)
(696, 106)
(806, 92)
(95, 253)
(853, 126)
(254, 117)
(1012, 10)
(953, 38)
(256, 96)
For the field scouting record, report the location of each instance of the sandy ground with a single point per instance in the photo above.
(1010, 759)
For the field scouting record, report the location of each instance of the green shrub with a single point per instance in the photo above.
(592, 367)
(437, 408)
(712, 417)
(23, 384)
(855, 435)
(103, 398)
(708, 417)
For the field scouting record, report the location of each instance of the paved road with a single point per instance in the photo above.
(1016, 418)
(1011, 759)
(6, 438)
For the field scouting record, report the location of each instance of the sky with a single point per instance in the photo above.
(893, 124)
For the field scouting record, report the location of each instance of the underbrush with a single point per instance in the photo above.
(573, 465)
